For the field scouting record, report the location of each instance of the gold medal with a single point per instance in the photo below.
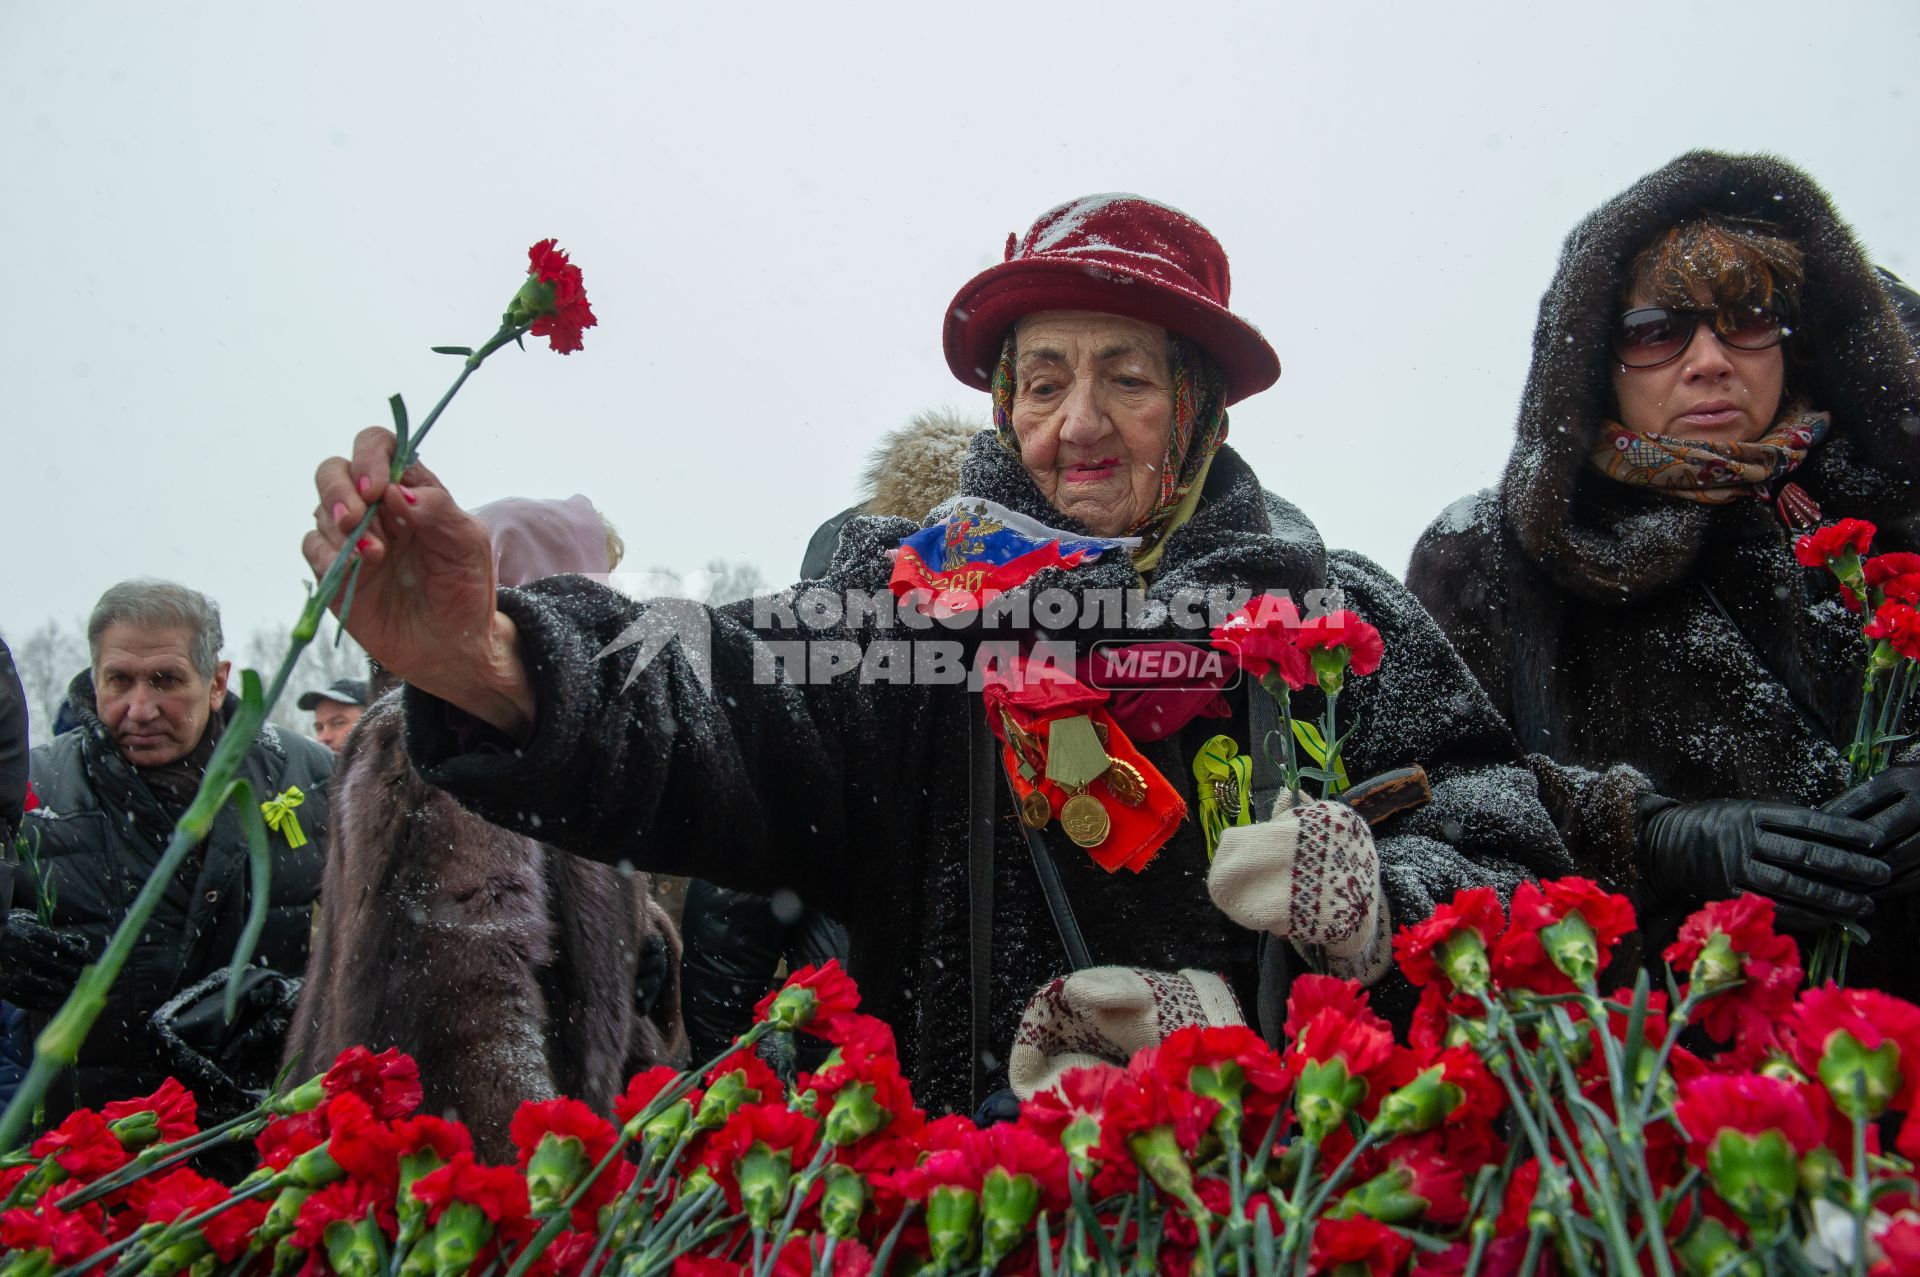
(1035, 810)
(1085, 820)
(1074, 756)
(1126, 783)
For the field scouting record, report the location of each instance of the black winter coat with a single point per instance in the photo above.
(13, 758)
(734, 944)
(99, 833)
(1638, 643)
(855, 796)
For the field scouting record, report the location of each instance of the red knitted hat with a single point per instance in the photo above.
(1119, 255)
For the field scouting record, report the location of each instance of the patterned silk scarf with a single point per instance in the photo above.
(1709, 472)
(1199, 428)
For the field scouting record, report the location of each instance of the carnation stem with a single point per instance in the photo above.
(58, 1045)
(160, 1157)
(885, 1257)
(1862, 1201)
(795, 1197)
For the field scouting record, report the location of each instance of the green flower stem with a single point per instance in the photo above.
(1550, 1174)
(885, 1257)
(1861, 1201)
(156, 1239)
(58, 1045)
(796, 1195)
(556, 1223)
(1599, 1178)
(1859, 754)
(1628, 1165)
(1329, 786)
(161, 1157)
(1296, 1217)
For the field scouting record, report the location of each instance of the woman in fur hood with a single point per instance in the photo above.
(508, 969)
(1716, 368)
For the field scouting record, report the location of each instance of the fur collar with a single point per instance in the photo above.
(1614, 545)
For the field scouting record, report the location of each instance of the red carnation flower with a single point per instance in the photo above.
(1329, 1018)
(563, 1118)
(1260, 636)
(82, 1146)
(540, 1131)
(1415, 948)
(286, 1138)
(389, 1082)
(1339, 1242)
(1818, 1029)
(1232, 1064)
(32, 800)
(345, 1201)
(446, 1140)
(1017, 1150)
(1835, 542)
(774, 1126)
(71, 1235)
(1142, 1100)
(174, 1110)
(499, 1191)
(1750, 973)
(1343, 631)
(1079, 1093)
(1895, 576)
(1899, 625)
(568, 315)
(1749, 1103)
(1431, 1175)
(641, 1090)
(1899, 1248)
(183, 1193)
(1524, 958)
(813, 998)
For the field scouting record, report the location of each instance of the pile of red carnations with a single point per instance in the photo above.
(1528, 1124)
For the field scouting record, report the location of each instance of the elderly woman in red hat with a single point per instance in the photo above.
(990, 809)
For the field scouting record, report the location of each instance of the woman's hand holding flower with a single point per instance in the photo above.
(424, 605)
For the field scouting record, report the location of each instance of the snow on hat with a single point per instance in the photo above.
(1119, 255)
(535, 538)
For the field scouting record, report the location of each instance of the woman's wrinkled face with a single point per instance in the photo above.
(1093, 411)
(1712, 392)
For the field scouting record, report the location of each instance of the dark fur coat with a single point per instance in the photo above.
(504, 967)
(854, 794)
(1638, 643)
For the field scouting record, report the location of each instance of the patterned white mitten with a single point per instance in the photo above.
(1103, 1015)
(1310, 875)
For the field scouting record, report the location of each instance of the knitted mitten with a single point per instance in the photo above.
(1105, 1014)
(1310, 875)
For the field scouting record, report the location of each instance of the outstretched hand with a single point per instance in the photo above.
(424, 605)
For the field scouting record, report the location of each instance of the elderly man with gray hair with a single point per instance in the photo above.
(152, 707)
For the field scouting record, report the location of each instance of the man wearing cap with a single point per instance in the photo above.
(987, 923)
(335, 710)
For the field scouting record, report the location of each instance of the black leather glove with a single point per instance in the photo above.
(229, 1067)
(1801, 858)
(39, 966)
(1889, 804)
(650, 974)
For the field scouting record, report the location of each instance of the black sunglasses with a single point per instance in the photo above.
(1648, 336)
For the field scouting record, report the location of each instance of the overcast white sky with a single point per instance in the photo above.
(234, 229)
